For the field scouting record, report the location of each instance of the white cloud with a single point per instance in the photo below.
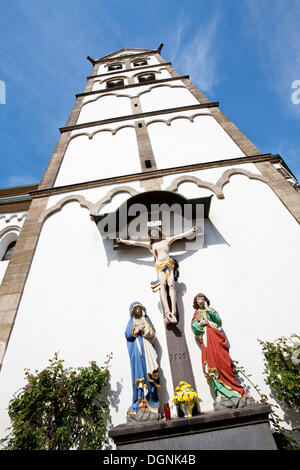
(20, 180)
(274, 26)
(196, 52)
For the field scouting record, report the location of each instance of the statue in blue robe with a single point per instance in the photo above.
(140, 334)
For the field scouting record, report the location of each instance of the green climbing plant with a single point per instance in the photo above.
(282, 368)
(60, 409)
(283, 436)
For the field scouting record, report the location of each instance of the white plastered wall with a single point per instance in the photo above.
(78, 292)
(105, 155)
(102, 68)
(105, 107)
(160, 74)
(166, 96)
(184, 142)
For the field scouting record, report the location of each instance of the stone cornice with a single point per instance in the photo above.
(210, 421)
(154, 174)
(90, 77)
(16, 199)
(136, 116)
(124, 87)
(17, 191)
(126, 56)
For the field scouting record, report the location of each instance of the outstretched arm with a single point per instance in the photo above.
(134, 243)
(181, 235)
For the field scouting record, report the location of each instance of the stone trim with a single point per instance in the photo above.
(217, 188)
(126, 70)
(159, 57)
(188, 84)
(17, 206)
(146, 153)
(17, 190)
(60, 149)
(209, 421)
(138, 54)
(15, 276)
(18, 268)
(8, 229)
(52, 170)
(168, 122)
(94, 208)
(287, 194)
(52, 191)
(170, 79)
(9, 217)
(195, 92)
(136, 111)
(140, 116)
(124, 95)
(15, 199)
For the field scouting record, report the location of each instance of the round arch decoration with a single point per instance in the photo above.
(8, 235)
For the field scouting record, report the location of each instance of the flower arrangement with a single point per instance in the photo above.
(185, 397)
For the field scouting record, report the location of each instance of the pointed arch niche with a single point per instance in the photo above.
(174, 210)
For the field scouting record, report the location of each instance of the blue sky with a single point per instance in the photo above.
(243, 53)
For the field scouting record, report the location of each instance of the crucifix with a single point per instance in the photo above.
(167, 273)
(166, 266)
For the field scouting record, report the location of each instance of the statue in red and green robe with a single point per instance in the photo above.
(216, 361)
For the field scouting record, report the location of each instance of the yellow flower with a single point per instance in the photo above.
(177, 389)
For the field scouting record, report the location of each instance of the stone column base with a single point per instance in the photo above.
(235, 429)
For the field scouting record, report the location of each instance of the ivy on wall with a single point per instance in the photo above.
(60, 409)
(282, 368)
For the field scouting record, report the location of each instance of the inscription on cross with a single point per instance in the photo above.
(180, 362)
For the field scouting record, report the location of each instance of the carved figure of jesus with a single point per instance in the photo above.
(160, 248)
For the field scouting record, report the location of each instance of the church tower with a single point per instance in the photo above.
(140, 133)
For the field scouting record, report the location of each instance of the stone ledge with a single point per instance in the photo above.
(134, 117)
(210, 421)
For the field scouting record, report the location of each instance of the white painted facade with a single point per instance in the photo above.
(78, 291)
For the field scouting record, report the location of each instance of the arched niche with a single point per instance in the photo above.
(167, 206)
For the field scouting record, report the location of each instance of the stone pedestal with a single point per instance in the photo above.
(235, 429)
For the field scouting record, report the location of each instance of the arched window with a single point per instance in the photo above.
(9, 251)
(8, 239)
(146, 77)
(140, 62)
(113, 67)
(115, 83)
